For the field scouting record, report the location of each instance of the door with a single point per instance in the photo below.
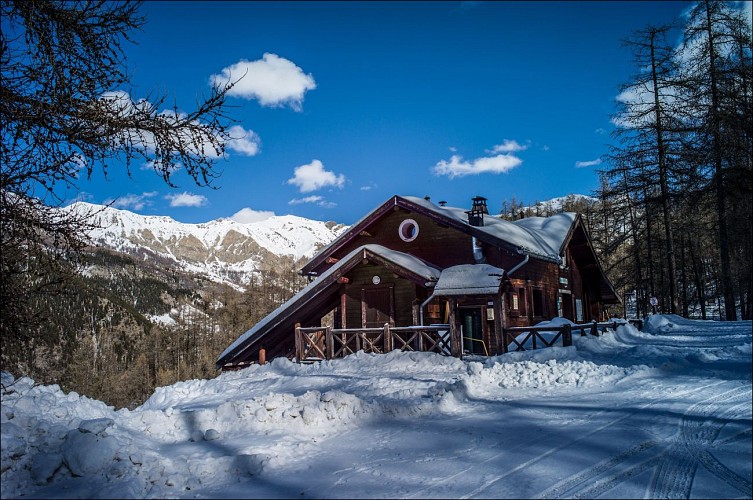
(376, 307)
(472, 329)
(567, 306)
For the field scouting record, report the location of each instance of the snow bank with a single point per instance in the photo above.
(240, 426)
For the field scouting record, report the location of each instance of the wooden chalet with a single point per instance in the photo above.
(413, 275)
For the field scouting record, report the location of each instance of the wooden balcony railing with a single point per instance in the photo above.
(316, 343)
(564, 332)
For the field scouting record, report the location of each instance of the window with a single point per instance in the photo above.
(408, 230)
(514, 301)
(522, 299)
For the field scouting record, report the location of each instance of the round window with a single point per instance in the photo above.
(408, 230)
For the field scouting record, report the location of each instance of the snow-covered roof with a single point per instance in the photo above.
(538, 237)
(552, 230)
(469, 279)
(400, 259)
(535, 236)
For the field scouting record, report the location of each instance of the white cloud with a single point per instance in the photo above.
(589, 163)
(600, 131)
(317, 200)
(186, 199)
(312, 176)
(308, 199)
(245, 142)
(153, 165)
(273, 80)
(132, 201)
(457, 167)
(200, 141)
(507, 146)
(248, 215)
(83, 196)
(545, 148)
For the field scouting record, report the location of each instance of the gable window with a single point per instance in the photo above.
(514, 301)
(408, 230)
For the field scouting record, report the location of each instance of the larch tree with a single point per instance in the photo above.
(65, 112)
(716, 56)
(650, 137)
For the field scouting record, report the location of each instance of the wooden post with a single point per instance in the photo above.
(329, 347)
(455, 341)
(387, 338)
(298, 343)
(567, 335)
(594, 329)
(499, 323)
(262, 356)
(343, 312)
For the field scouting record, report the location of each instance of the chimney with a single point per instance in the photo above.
(477, 211)
(442, 203)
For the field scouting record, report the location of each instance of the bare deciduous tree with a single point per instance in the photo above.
(65, 113)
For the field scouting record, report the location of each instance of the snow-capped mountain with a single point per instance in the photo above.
(216, 248)
(558, 204)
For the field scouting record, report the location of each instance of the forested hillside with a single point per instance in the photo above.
(124, 326)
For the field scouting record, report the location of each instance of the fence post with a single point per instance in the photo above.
(567, 335)
(504, 341)
(298, 343)
(262, 356)
(594, 329)
(329, 347)
(387, 338)
(455, 341)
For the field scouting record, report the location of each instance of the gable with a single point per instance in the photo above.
(581, 250)
(450, 233)
(275, 330)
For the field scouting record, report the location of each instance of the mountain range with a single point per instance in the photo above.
(222, 250)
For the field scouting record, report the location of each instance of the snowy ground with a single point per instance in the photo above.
(661, 413)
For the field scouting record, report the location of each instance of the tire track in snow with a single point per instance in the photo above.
(698, 429)
(556, 449)
(697, 437)
(675, 466)
(562, 488)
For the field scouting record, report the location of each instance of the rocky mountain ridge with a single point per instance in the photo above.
(223, 250)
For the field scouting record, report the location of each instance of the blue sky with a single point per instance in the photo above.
(346, 103)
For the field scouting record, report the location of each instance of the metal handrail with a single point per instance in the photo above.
(486, 351)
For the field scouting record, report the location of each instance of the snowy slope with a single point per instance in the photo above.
(212, 246)
(664, 412)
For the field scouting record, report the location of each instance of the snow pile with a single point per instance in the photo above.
(285, 429)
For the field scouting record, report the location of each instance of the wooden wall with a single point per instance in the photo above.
(404, 294)
(439, 245)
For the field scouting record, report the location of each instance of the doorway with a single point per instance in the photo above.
(567, 306)
(376, 307)
(472, 328)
